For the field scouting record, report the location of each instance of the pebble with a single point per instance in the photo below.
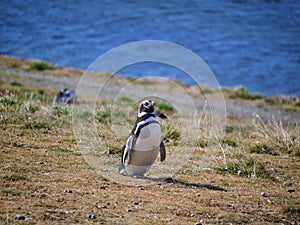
(263, 194)
(39, 163)
(274, 170)
(288, 183)
(135, 203)
(142, 188)
(129, 210)
(19, 217)
(68, 191)
(291, 190)
(102, 187)
(199, 223)
(92, 217)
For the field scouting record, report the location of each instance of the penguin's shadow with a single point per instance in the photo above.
(186, 184)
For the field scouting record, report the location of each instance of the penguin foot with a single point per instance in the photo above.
(139, 176)
(122, 170)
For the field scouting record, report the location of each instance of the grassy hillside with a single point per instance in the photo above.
(251, 174)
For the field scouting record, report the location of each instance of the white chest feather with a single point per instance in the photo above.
(149, 137)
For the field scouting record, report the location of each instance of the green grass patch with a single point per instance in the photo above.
(115, 149)
(243, 93)
(12, 192)
(36, 125)
(202, 142)
(7, 101)
(15, 177)
(126, 100)
(104, 116)
(164, 106)
(271, 101)
(230, 141)
(242, 165)
(261, 148)
(292, 210)
(40, 66)
(61, 110)
(171, 133)
(16, 84)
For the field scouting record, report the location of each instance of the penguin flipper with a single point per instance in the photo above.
(162, 151)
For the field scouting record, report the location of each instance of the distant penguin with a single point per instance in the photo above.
(143, 144)
(65, 96)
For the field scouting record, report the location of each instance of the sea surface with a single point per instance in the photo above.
(254, 43)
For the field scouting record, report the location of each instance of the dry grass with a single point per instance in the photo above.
(44, 176)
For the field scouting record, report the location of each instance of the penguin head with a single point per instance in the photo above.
(147, 106)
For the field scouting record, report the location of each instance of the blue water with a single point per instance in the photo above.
(254, 43)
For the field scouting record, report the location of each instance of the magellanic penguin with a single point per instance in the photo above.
(143, 144)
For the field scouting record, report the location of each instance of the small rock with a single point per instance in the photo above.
(92, 217)
(102, 187)
(291, 190)
(142, 188)
(68, 191)
(129, 210)
(135, 203)
(39, 163)
(274, 170)
(288, 183)
(192, 215)
(19, 217)
(263, 194)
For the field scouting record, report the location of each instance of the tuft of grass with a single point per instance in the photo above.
(243, 93)
(17, 84)
(5, 101)
(291, 210)
(61, 110)
(104, 116)
(271, 101)
(164, 106)
(12, 192)
(230, 141)
(261, 148)
(40, 66)
(290, 109)
(171, 133)
(32, 108)
(202, 142)
(276, 136)
(243, 165)
(126, 100)
(15, 177)
(115, 149)
(36, 125)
